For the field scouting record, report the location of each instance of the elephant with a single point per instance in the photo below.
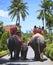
(24, 50)
(14, 45)
(38, 44)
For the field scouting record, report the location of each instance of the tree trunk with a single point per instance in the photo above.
(43, 22)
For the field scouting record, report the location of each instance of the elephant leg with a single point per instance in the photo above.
(37, 55)
(18, 54)
(36, 52)
(22, 54)
(41, 55)
(11, 57)
(25, 54)
(15, 54)
(18, 51)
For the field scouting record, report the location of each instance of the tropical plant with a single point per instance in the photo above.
(41, 16)
(49, 19)
(18, 9)
(51, 54)
(26, 36)
(46, 8)
(4, 38)
(49, 51)
(1, 29)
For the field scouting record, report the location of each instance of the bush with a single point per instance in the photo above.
(51, 54)
(0, 46)
(47, 51)
(51, 45)
(26, 36)
(3, 52)
(4, 40)
(0, 34)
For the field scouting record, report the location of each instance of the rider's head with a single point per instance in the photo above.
(35, 26)
(42, 27)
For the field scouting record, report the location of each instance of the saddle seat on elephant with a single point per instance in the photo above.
(14, 32)
(35, 35)
(37, 32)
(37, 43)
(20, 39)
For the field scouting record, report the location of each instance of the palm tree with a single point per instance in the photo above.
(18, 9)
(49, 19)
(45, 8)
(41, 16)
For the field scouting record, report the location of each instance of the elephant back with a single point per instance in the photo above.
(36, 40)
(13, 42)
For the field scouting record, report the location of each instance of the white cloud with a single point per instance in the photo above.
(4, 14)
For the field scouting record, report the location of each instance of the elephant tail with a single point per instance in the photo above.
(39, 45)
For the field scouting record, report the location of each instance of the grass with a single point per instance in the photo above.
(3, 52)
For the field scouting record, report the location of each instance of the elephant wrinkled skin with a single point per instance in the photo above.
(37, 43)
(14, 45)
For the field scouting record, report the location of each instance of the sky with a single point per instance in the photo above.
(31, 19)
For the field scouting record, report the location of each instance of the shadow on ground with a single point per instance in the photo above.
(17, 64)
(11, 62)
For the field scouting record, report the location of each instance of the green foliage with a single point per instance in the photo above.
(48, 37)
(1, 29)
(0, 46)
(46, 12)
(0, 34)
(4, 40)
(3, 52)
(16, 8)
(49, 19)
(51, 54)
(51, 45)
(49, 51)
(26, 36)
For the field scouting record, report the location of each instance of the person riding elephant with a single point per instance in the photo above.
(15, 42)
(38, 30)
(37, 43)
(14, 45)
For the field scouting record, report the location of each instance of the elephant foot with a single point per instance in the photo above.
(36, 59)
(23, 58)
(41, 60)
(41, 57)
(11, 58)
(16, 58)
